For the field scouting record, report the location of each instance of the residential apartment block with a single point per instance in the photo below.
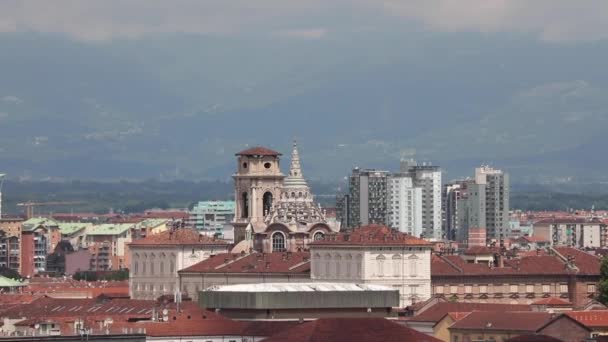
(404, 204)
(210, 217)
(428, 178)
(368, 197)
(572, 232)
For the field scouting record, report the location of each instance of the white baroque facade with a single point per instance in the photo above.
(375, 255)
(155, 261)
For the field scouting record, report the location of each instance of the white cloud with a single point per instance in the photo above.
(553, 20)
(315, 33)
(11, 99)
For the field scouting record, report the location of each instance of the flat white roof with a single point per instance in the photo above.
(298, 287)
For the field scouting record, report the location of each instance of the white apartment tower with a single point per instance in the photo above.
(404, 204)
(496, 185)
(428, 178)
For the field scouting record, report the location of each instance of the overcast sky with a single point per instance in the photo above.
(551, 20)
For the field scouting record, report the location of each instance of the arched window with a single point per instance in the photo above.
(349, 261)
(135, 267)
(317, 264)
(162, 267)
(172, 267)
(338, 262)
(278, 242)
(267, 202)
(151, 267)
(359, 262)
(318, 236)
(143, 267)
(396, 265)
(413, 265)
(380, 265)
(245, 205)
(327, 265)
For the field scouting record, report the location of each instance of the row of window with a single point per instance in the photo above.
(510, 288)
(149, 268)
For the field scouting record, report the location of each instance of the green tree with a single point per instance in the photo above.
(603, 285)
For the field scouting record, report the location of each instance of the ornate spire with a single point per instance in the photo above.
(295, 177)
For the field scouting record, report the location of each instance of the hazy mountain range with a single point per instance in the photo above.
(180, 105)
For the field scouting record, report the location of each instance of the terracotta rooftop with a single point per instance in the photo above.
(503, 320)
(532, 239)
(436, 312)
(371, 235)
(478, 250)
(258, 151)
(564, 220)
(552, 301)
(595, 318)
(276, 262)
(54, 307)
(529, 263)
(351, 329)
(587, 264)
(177, 237)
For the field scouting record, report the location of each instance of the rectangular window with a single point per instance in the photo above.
(591, 288)
(563, 288)
(439, 289)
(454, 289)
(483, 288)
(546, 288)
(529, 288)
(513, 288)
(468, 289)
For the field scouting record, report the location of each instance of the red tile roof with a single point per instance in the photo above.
(533, 239)
(351, 329)
(478, 250)
(371, 235)
(436, 312)
(258, 151)
(552, 301)
(178, 237)
(55, 307)
(587, 264)
(529, 264)
(276, 262)
(564, 220)
(503, 320)
(592, 319)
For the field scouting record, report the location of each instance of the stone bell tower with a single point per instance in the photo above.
(257, 185)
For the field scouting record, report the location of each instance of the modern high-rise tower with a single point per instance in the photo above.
(404, 204)
(428, 178)
(367, 197)
(496, 184)
(479, 203)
